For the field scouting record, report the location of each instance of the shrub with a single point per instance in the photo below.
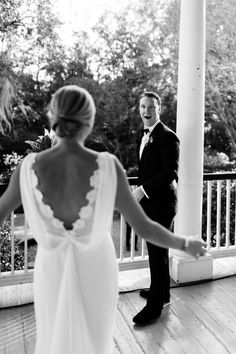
(5, 248)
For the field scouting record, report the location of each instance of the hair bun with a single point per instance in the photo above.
(71, 107)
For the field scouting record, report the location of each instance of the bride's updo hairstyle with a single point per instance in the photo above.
(71, 110)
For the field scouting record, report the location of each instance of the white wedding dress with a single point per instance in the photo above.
(75, 274)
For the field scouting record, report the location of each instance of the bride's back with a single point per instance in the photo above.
(63, 172)
(64, 179)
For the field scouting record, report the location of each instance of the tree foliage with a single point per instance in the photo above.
(129, 52)
(221, 74)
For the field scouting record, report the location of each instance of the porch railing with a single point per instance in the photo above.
(218, 229)
(219, 213)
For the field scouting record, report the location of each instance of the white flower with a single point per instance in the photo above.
(147, 139)
(12, 160)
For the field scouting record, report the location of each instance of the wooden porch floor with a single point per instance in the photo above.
(200, 319)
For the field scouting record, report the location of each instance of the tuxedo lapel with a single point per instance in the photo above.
(157, 130)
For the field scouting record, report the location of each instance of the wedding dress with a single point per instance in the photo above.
(75, 274)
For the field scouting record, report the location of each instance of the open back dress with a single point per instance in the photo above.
(75, 274)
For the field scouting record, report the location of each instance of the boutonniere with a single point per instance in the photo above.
(149, 140)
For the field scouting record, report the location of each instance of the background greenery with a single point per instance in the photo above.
(128, 52)
(6, 262)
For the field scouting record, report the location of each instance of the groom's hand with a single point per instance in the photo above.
(138, 193)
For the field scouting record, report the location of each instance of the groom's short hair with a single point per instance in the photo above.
(151, 94)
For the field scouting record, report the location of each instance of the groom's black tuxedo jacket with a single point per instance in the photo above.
(158, 173)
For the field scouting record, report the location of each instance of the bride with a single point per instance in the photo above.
(69, 193)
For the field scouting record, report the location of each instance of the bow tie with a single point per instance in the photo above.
(146, 131)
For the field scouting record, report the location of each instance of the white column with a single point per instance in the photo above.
(190, 130)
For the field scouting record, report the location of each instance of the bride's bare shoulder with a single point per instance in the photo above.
(56, 159)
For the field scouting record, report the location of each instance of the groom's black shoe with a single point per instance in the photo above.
(146, 316)
(145, 293)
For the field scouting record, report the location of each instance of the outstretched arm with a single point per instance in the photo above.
(11, 199)
(146, 228)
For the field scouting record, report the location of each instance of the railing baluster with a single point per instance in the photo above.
(12, 243)
(209, 197)
(25, 246)
(132, 242)
(227, 224)
(128, 261)
(235, 214)
(132, 236)
(143, 248)
(0, 257)
(218, 215)
(122, 233)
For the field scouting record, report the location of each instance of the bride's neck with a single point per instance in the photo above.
(70, 143)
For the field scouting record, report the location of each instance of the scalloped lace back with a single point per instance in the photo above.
(75, 271)
(83, 224)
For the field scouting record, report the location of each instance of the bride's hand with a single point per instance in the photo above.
(196, 247)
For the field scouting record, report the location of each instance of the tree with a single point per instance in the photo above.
(10, 21)
(129, 52)
(221, 73)
(133, 51)
(28, 35)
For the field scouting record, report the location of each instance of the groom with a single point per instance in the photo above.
(158, 156)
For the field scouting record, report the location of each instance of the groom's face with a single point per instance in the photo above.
(149, 110)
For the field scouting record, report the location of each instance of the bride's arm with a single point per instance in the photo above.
(146, 228)
(11, 198)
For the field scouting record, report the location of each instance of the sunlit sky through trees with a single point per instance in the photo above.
(82, 15)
